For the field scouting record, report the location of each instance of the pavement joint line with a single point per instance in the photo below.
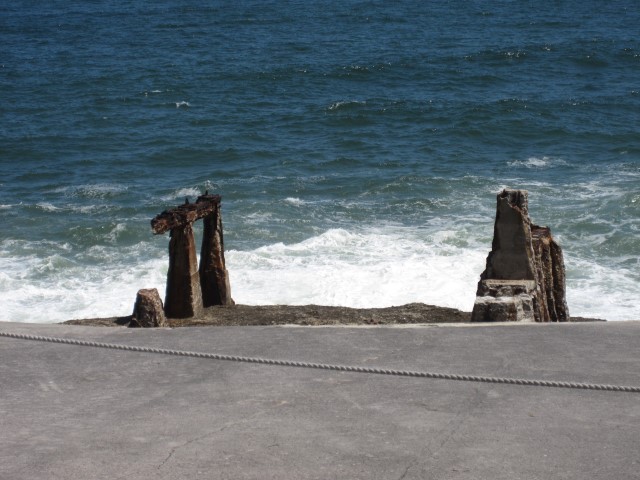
(324, 366)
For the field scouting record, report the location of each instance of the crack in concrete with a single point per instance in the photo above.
(202, 437)
(406, 470)
(453, 427)
(461, 418)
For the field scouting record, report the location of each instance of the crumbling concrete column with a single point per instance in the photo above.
(550, 273)
(185, 293)
(184, 297)
(524, 278)
(511, 256)
(148, 311)
(214, 278)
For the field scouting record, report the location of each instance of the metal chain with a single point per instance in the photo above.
(324, 366)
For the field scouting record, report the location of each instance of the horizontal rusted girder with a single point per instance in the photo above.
(185, 214)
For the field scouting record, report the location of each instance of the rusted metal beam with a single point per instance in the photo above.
(185, 214)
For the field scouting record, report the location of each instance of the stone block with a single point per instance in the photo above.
(148, 311)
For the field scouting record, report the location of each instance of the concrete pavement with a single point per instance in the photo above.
(75, 412)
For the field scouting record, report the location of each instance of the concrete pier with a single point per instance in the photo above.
(76, 412)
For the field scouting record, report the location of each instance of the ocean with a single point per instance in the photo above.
(358, 146)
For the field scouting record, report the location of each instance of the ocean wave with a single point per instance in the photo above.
(47, 207)
(344, 105)
(601, 291)
(73, 208)
(182, 193)
(116, 232)
(379, 269)
(59, 284)
(597, 189)
(436, 264)
(54, 263)
(295, 201)
(374, 269)
(538, 162)
(492, 56)
(98, 190)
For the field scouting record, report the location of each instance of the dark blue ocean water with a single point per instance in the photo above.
(358, 146)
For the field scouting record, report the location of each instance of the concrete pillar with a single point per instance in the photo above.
(511, 256)
(524, 279)
(214, 278)
(184, 296)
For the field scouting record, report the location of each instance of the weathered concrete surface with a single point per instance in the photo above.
(550, 273)
(70, 412)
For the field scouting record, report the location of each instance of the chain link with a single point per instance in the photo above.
(324, 366)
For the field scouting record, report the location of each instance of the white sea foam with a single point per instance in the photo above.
(374, 269)
(294, 201)
(379, 269)
(47, 207)
(183, 193)
(60, 286)
(116, 231)
(370, 268)
(345, 104)
(538, 162)
(88, 208)
(182, 104)
(596, 190)
(599, 291)
(69, 207)
(98, 190)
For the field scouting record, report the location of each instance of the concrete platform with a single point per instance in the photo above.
(76, 412)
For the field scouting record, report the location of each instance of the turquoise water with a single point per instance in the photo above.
(358, 146)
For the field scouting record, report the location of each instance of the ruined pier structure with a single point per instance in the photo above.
(191, 288)
(524, 279)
